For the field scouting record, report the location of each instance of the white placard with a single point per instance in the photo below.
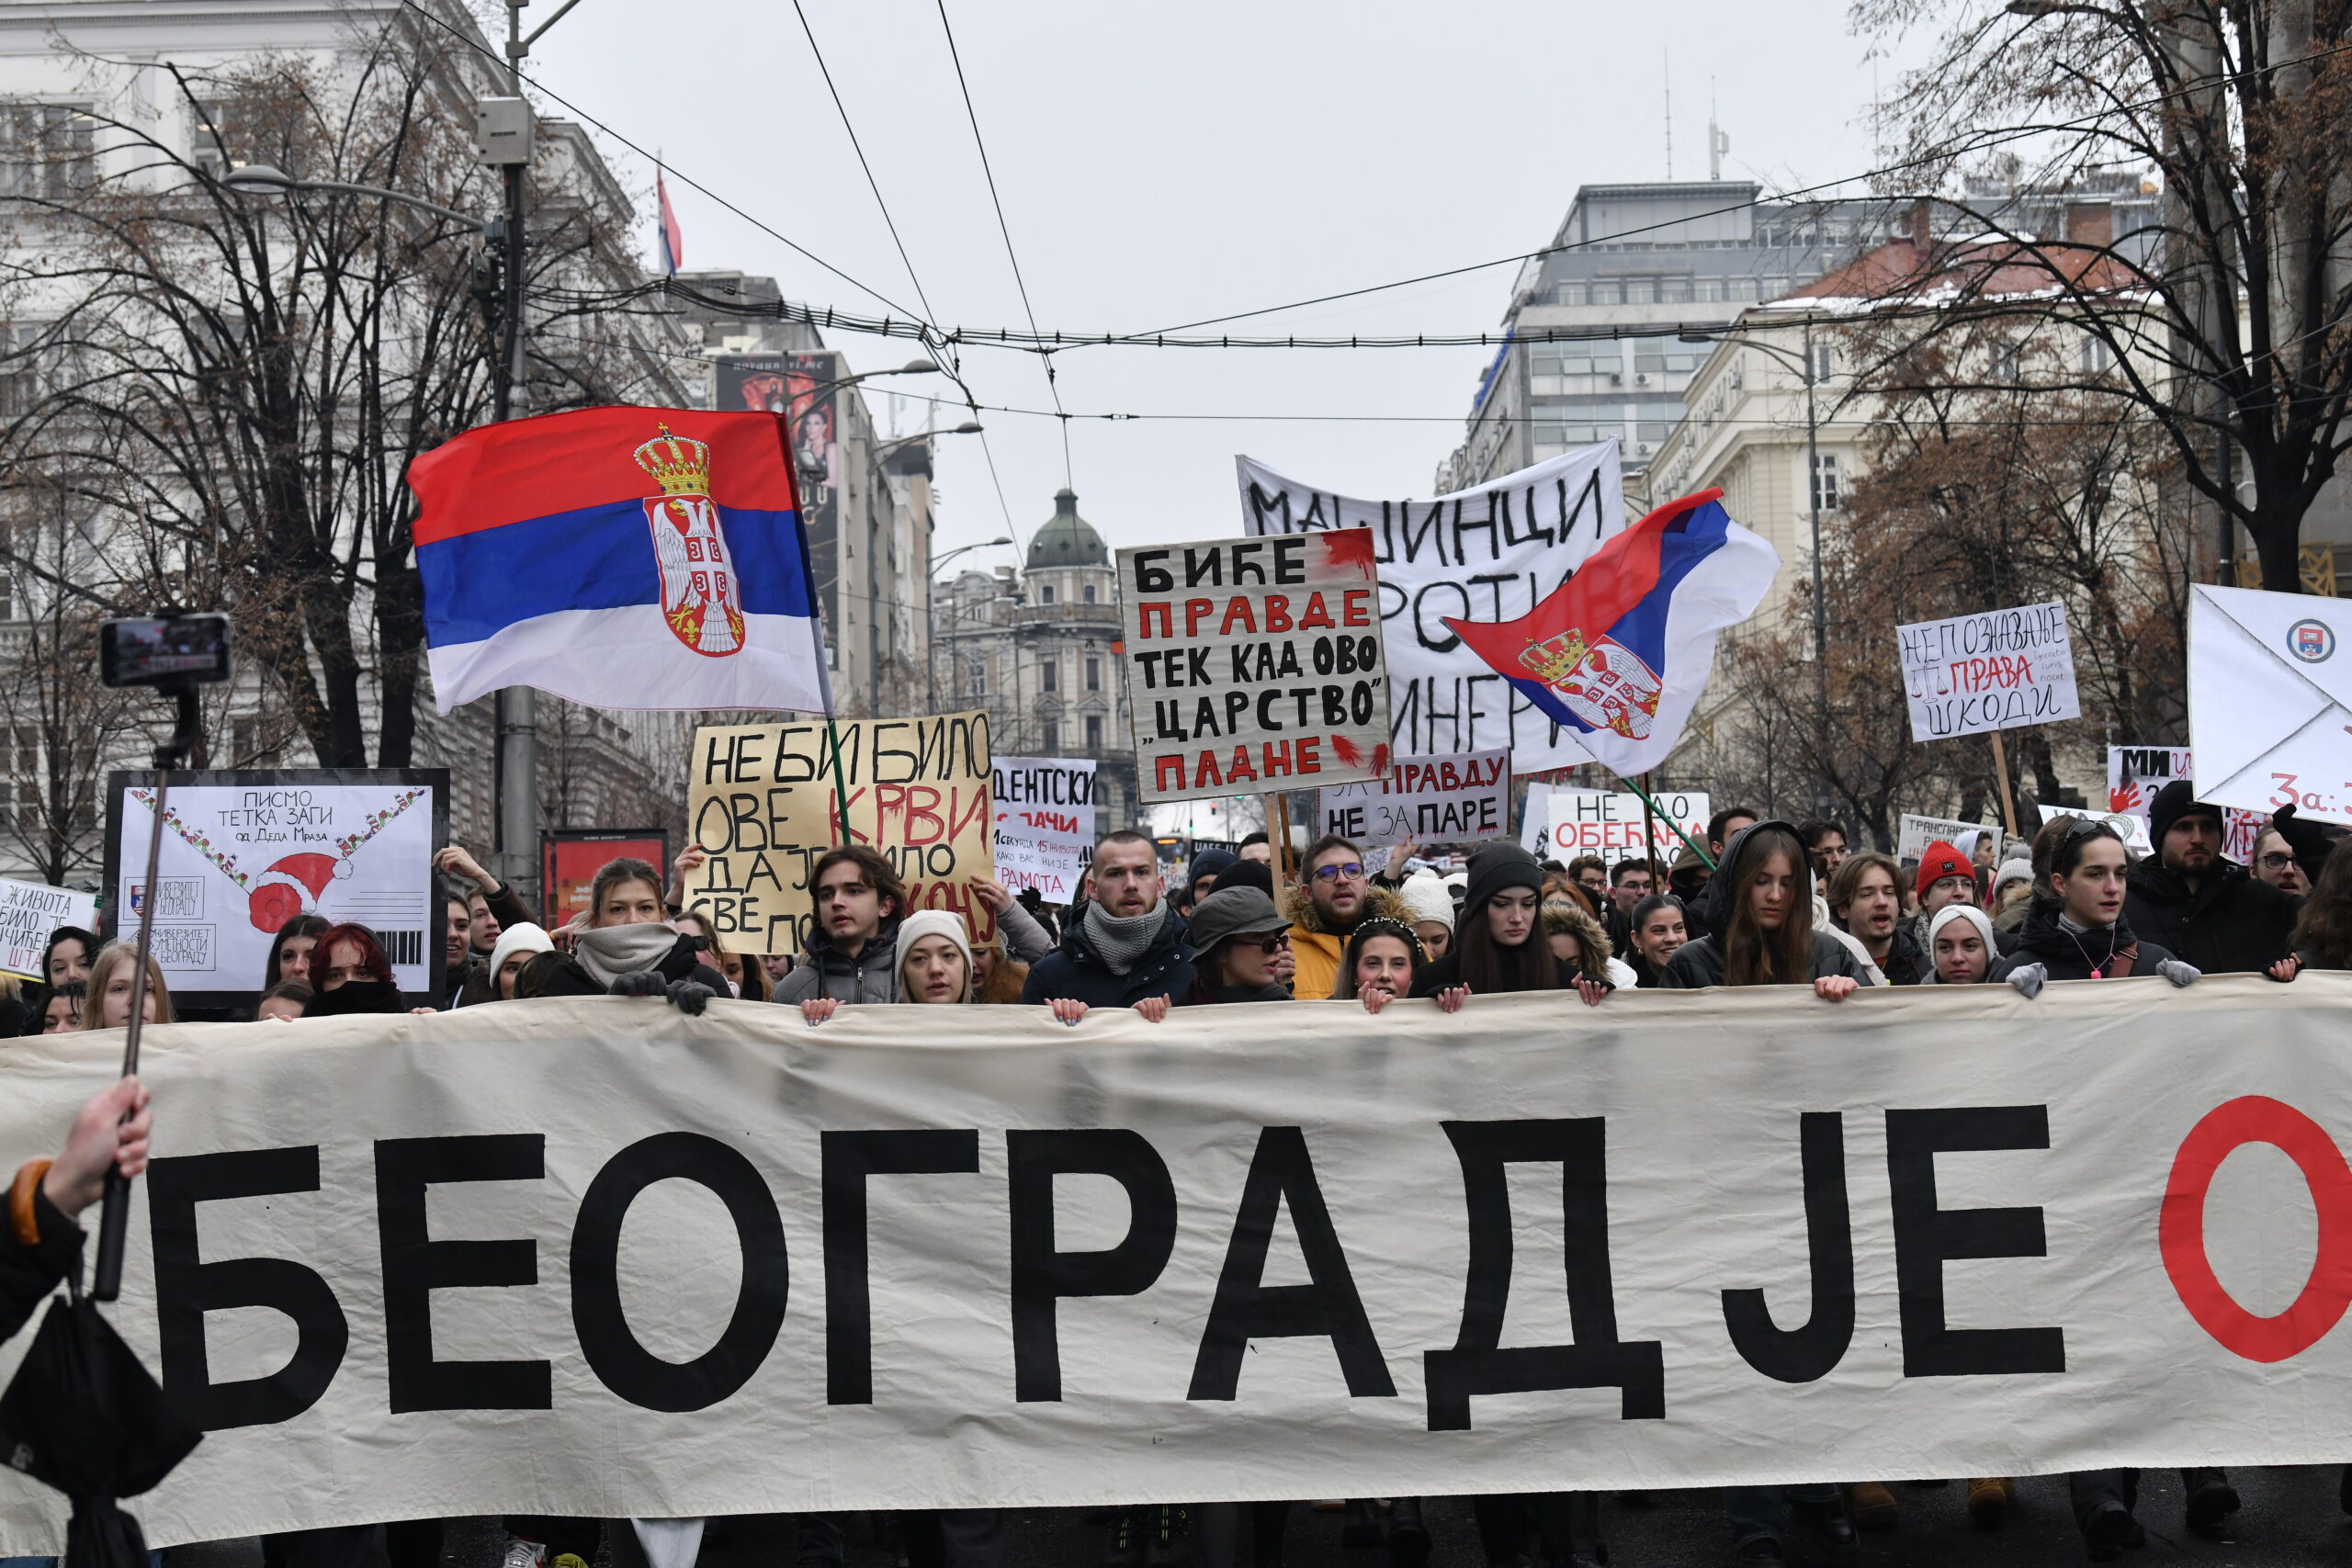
(2135, 774)
(1458, 799)
(1045, 823)
(1918, 832)
(1599, 822)
(2270, 701)
(976, 1259)
(29, 912)
(1997, 670)
(1487, 553)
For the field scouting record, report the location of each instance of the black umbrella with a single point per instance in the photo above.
(83, 1415)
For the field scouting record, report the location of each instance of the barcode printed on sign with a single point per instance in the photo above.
(402, 947)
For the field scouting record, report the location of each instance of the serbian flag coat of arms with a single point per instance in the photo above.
(628, 557)
(1619, 653)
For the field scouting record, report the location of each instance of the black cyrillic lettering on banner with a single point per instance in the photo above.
(1925, 1237)
(1281, 1174)
(415, 1266)
(621, 1363)
(1042, 1275)
(1477, 1364)
(1803, 1354)
(186, 1289)
(849, 1159)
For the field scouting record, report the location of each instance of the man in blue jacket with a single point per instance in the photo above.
(1126, 944)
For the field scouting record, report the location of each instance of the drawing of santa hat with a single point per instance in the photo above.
(290, 887)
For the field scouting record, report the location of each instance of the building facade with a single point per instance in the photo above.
(1035, 649)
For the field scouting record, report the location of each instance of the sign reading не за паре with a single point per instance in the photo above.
(1254, 664)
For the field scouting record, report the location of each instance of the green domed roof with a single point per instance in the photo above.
(1068, 539)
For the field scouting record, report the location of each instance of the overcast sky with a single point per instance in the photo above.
(1163, 163)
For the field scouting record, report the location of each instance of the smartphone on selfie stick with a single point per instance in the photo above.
(174, 651)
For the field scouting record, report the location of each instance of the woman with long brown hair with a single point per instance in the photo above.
(1759, 907)
(1498, 943)
(2323, 930)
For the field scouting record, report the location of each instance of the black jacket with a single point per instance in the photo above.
(470, 983)
(28, 1273)
(1696, 965)
(2233, 923)
(2044, 940)
(1076, 971)
(570, 977)
(1907, 963)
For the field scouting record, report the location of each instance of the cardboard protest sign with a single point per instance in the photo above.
(1456, 799)
(1488, 554)
(246, 851)
(1918, 832)
(1598, 822)
(1045, 824)
(1998, 669)
(1535, 820)
(762, 800)
(1254, 664)
(2134, 774)
(29, 912)
(2270, 701)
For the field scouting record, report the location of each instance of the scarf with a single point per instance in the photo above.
(608, 953)
(1121, 941)
(355, 996)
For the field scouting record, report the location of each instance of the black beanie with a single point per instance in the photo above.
(2174, 801)
(1499, 865)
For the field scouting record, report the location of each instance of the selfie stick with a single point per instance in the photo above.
(114, 1220)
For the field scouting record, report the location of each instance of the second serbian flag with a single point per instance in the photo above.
(628, 557)
(1619, 653)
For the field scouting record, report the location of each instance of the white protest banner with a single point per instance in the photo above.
(1916, 834)
(29, 912)
(1599, 822)
(732, 1264)
(1045, 823)
(2133, 830)
(246, 851)
(1254, 664)
(1997, 670)
(1487, 553)
(2270, 701)
(1535, 821)
(2134, 774)
(1458, 799)
(765, 801)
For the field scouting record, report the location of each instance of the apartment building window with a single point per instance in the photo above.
(1093, 733)
(1093, 672)
(1823, 360)
(980, 677)
(2007, 364)
(223, 134)
(1051, 729)
(1825, 481)
(19, 774)
(2096, 356)
(47, 151)
(1049, 675)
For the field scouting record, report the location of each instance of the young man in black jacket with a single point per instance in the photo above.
(1126, 944)
(40, 1243)
(2205, 910)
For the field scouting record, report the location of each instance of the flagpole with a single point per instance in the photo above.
(815, 620)
(1649, 804)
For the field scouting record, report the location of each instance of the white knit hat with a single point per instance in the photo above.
(933, 922)
(1424, 893)
(1974, 917)
(520, 937)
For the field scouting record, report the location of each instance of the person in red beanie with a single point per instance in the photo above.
(1946, 876)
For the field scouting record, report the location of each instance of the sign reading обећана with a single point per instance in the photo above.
(1458, 799)
(1998, 669)
(1254, 664)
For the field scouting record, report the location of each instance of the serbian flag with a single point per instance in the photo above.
(626, 558)
(1618, 654)
(673, 243)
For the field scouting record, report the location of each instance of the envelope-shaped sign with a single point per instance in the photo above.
(2270, 701)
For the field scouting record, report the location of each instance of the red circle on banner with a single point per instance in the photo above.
(2180, 1229)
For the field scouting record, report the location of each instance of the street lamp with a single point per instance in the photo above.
(1806, 369)
(261, 179)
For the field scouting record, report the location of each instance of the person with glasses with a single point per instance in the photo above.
(1237, 934)
(2203, 907)
(1334, 895)
(2274, 863)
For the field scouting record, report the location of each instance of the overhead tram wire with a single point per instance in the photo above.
(988, 169)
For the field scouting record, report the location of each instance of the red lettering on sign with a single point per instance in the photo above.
(1240, 610)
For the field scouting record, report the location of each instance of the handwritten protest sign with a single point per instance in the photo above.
(1597, 822)
(762, 800)
(1918, 832)
(29, 912)
(1455, 800)
(2134, 774)
(1254, 664)
(1995, 671)
(1488, 554)
(245, 850)
(1045, 824)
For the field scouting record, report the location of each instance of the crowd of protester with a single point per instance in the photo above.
(1771, 903)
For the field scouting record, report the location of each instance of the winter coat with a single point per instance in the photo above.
(570, 977)
(28, 1273)
(1025, 941)
(1201, 996)
(2044, 940)
(472, 982)
(1696, 965)
(1076, 971)
(1317, 949)
(1907, 963)
(1444, 974)
(2233, 923)
(870, 975)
